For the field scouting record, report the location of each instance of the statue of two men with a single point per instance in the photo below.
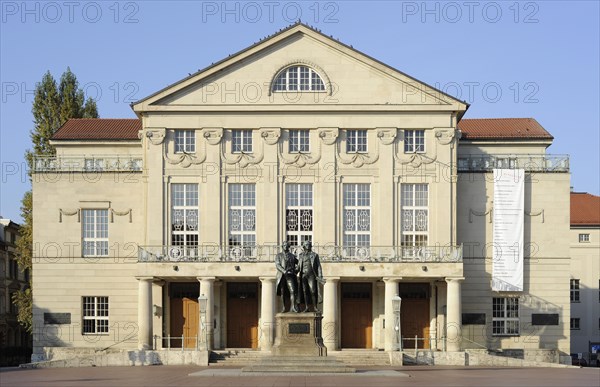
(298, 278)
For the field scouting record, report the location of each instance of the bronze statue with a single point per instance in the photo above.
(287, 268)
(310, 275)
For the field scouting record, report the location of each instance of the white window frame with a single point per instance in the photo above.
(414, 203)
(98, 312)
(94, 238)
(357, 141)
(299, 214)
(414, 141)
(185, 141)
(357, 219)
(299, 141)
(298, 78)
(185, 220)
(575, 287)
(242, 220)
(241, 141)
(584, 238)
(505, 316)
(575, 323)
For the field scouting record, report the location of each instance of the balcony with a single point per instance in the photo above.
(94, 163)
(530, 163)
(327, 253)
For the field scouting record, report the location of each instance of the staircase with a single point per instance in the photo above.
(235, 357)
(361, 357)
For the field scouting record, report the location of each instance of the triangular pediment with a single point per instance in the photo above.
(352, 80)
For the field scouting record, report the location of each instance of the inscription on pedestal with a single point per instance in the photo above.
(299, 328)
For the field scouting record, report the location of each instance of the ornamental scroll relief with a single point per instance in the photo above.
(442, 136)
(258, 152)
(300, 159)
(62, 212)
(113, 212)
(357, 160)
(490, 212)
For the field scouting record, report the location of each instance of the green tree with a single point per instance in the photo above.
(52, 106)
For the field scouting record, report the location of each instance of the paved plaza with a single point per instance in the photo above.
(221, 376)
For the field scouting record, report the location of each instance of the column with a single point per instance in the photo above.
(330, 313)
(207, 328)
(217, 314)
(267, 313)
(391, 290)
(453, 314)
(144, 312)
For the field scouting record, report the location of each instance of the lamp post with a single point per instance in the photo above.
(396, 304)
(203, 328)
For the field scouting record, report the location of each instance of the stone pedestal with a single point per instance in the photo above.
(299, 334)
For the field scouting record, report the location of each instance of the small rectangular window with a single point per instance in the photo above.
(241, 141)
(185, 141)
(414, 141)
(356, 141)
(95, 315)
(584, 238)
(575, 324)
(574, 290)
(505, 316)
(299, 141)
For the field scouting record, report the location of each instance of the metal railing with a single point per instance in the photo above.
(416, 339)
(93, 163)
(327, 253)
(528, 162)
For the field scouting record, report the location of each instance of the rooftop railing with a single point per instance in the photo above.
(530, 163)
(94, 163)
(327, 253)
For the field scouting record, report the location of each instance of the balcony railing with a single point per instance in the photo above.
(327, 253)
(95, 163)
(530, 163)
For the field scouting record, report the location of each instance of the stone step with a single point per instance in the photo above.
(313, 364)
(362, 358)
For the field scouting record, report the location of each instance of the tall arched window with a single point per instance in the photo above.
(298, 78)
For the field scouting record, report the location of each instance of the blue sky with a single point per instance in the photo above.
(507, 59)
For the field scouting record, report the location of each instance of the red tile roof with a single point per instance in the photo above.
(585, 209)
(103, 129)
(503, 129)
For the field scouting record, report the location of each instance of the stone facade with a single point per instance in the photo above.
(154, 270)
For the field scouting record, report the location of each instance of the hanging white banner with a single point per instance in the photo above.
(509, 217)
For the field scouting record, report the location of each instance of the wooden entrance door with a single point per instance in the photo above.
(242, 315)
(357, 315)
(414, 315)
(184, 322)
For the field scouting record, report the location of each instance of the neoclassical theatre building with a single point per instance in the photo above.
(160, 232)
